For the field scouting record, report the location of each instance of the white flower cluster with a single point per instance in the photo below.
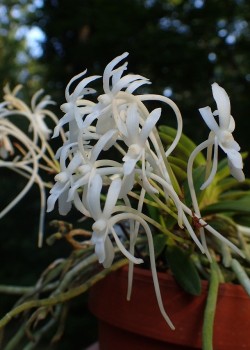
(25, 149)
(114, 143)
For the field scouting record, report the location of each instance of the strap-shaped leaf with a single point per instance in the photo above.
(235, 206)
(159, 243)
(184, 270)
(185, 144)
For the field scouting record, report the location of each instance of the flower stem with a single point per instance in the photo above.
(209, 314)
(60, 298)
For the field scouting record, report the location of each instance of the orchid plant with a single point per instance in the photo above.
(116, 167)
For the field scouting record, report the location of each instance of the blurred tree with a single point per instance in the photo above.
(19, 47)
(182, 46)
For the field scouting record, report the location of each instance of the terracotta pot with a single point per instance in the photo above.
(138, 324)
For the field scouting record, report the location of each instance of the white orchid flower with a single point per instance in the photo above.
(39, 112)
(26, 165)
(222, 134)
(64, 180)
(75, 107)
(104, 221)
(88, 168)
(35, 114)
(113, 83)
(136, 137)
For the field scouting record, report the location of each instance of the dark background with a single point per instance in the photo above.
(181, 46)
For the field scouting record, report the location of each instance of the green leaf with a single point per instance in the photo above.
(185, 145)
(180, 174)
(159, 243)
(184, 270)
(153, 211)
(233, 195)
(223, 224)
(227, 184)
(177, 161)
(180, 151)
(243, 220)
(234, 206)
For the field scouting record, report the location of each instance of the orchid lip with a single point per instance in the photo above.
(61, 177)
(100, 225)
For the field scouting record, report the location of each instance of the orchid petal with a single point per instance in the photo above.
(99, 247)
(63, 156)
(93, 196)
(208, 118)
(136, 84)
(125, 81)
(67, 94)
(105, 122)
(41, 105)
(117, 73)
(223, 105)
(75, 162)
(108, 71)
(228, 145)
(150, 122)
(65, 119)
(132, 123)
(235, 158)
(80, 87)
(52, 200)
(231, 126)
(237, 173)
(57, 190)
(82, 181)
(90, 118)
(78, 117)
(112, 196)
(128, 165)
(101, 143)
(73, 131)
(109, 253)
(63, 206)
(121, 126)
(78, 203)
(127, 184)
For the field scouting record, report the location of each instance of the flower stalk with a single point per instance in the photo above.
(210, 309)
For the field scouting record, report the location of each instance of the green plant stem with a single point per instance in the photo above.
(209, 314)
(16, 290)
(15, 340)
(37, 336)
(63, 297)
(69, 276)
